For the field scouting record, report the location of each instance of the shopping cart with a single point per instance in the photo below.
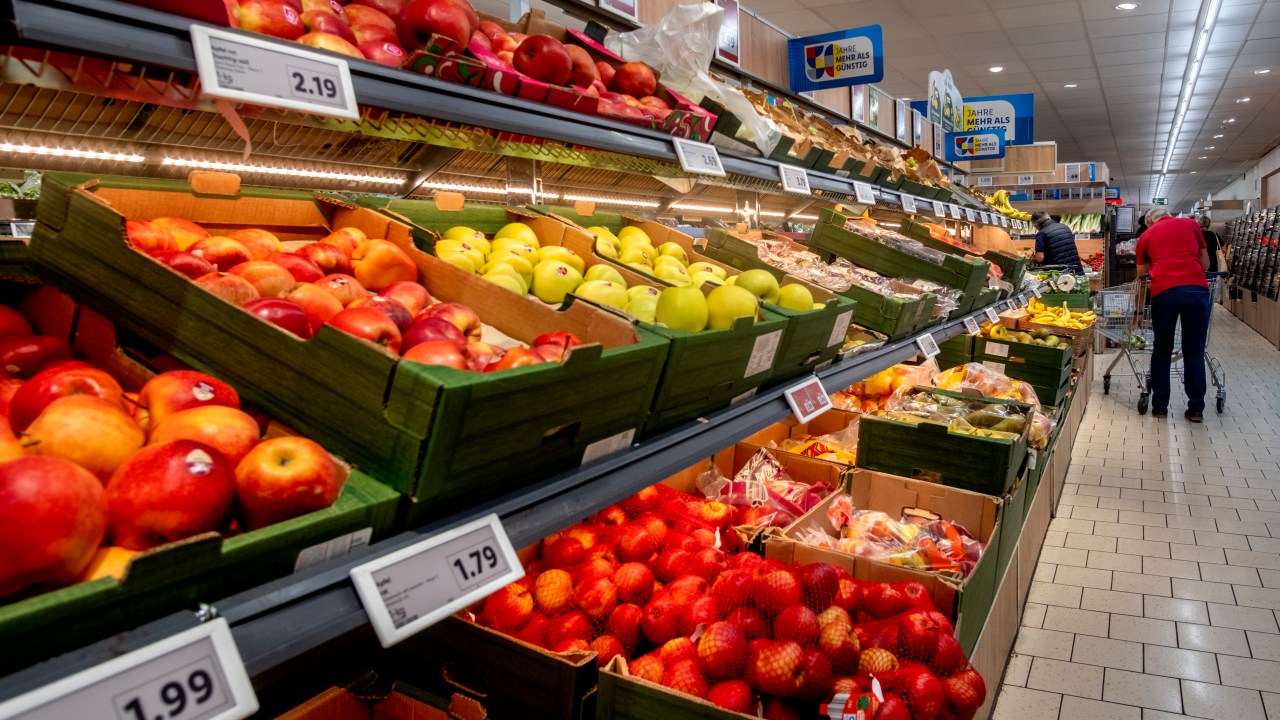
(1124, 317)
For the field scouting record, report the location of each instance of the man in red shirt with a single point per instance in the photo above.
(1173, 252)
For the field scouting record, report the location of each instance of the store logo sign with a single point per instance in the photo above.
(838, 59)
(984, 145)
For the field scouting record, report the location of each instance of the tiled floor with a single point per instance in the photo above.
(1157, 594)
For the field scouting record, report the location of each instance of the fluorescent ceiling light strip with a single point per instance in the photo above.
(804, 217)
(704, 208)
(611, 201)
(1192, 75)
(60, 152)
(291, 172)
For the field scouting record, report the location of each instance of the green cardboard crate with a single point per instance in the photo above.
(985, 465)
(1075, 300)
(13, 261)
(1018, 353)
(967, 274)
(956, 351)
(1013, 510)
(1012, 267)
(448, 438)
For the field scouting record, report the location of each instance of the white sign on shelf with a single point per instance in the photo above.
(864, 193)
(985, 181)
(955, 212)
(794, 179)
(808, 399)
(939, 210)
(1072, 172)
(1035, 290)
(700, 158)
(971, 326)
(908, 204)
(969, 213)
(608, 446)
(1026, 179)
(992, 315)
(840, 329)
(763, 353)
(415, 587)
(928, 345)
(196, 674)
(272, 73)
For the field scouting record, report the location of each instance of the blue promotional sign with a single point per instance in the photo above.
(1015, 114)
(984, 145)
(837, 59)
(1111, 192)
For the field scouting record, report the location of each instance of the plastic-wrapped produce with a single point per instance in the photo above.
(895, 240)
(762, 494)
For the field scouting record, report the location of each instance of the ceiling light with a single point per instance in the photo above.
(1127, 6)
(1070, 85)
(610, 201)
(804, 217)
(1263, 71)
(704, 208)
(1243, 100)
(1228, 120)
(293, 172)
(996, 68)
(1211, 147)
(1204, 31)
(1203, 157)
(59, 152)
(1193, 172)
(1215, 137)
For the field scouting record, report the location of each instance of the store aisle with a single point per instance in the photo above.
(1157, 594)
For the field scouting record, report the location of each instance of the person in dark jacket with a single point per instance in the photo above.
(1212, 241)
(1055, 244)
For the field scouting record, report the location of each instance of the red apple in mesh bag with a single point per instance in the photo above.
(452, 19)
(544, 58)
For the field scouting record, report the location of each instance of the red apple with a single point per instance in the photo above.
(8, 387)
(234, 289)
(452, 19)
(482, 40)
(491, 30)
(370, 33)
(369, 324)
(260, 243)
(330, 7)
(185, 232)
(410, 294)
(635, 79)
(507, 57)
(299, 267)
(380, 263)
(358, 15)
(481, 354)
(605, 72)
(58, 381)
(25, 355)
(553, 346)
(504, 43)
(13, 322)
(436, 352)
(584, 68)
(230, 431)
(390, 8)
(270, 17)
(168, 492)
(96, 434)
(463, 317)
(655, 102)
(149, 238)
(432, 329)
(184, 263)
(283, 478)
(383, 52)
(53, 517)
(345, 238)
(177, 390)
(319, 304)
(385, 305)
(223, 252)
(343, 287)
(514, 358)
(331, 42)
(285, 314)
(326, 256)
(268, 278)
(319, 21)
(544, 58)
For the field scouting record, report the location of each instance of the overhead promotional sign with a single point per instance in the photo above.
(727, 47)
(1015, 114)
(984, 145)
(1111, 192)
(944, 103)
(837, 59)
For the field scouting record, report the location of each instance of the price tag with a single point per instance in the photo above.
(840, 330)
(608, 446)
(1010, 306)
(1035, 290)
(969, 213)
(971, 326)
(1026, 179)
(865, 194)
(928, 345)
(266, 72)
(808, 399)
(1032, 458)
(955, 211)
(194, 675)
(993, 365)
(744, 396)
(700, 158)
(992, 315)
(1004, 221)
(908, 204)
(939, 210)
(763, 353)
(411, 589)
(986, 181)
(794, 179)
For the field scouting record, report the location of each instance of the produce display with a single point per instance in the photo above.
(366, 287)
(1038, 336)
(1000, 201)
(839, 447)
(762, 494)
(837, 276)
(960, 415)
(1064, 316)
(874, 392)
(656, 580)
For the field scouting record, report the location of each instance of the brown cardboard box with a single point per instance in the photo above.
(994, 645)
(402, 703)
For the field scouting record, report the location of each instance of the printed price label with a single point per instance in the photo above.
(908, 204)
(971, 326)
(992, 315)
(1000, 350)
(865, 194)
(1004, 221)
(265, 72)
(696, 157)
(415, 587)
(969, 213)
(955, 211)
(608, 446)
(1010, 306)
(763, 353)
(744, 396)
(194, 675)
(337, 547)
(939, 210)
(808, 399)
(1032, 458)
(840, 330)
(985, 181)
(928, 345)
(1035, 290)
(1026, 179)
(992, 365)
(794, 179)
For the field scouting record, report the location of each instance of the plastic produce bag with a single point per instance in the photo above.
(840, 446)
(762, 493)
(874, 392)
(986, 382)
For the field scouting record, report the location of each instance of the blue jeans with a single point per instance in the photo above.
(1192, 305)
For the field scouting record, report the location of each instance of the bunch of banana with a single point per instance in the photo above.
(1059, 316)
(1000, 201)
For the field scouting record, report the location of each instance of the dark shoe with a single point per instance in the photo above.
(1160, 414)
(1193, 416)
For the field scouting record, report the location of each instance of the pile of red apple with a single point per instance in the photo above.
(366, 287)
(366, 29)
(82, 461)
(647, 580)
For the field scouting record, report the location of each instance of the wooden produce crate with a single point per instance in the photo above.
(446, 437)
(980, 464)
(175, 576)
(1081, 339)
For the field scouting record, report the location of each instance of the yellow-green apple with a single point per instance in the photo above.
(25, 355)
(727, 303)
(475, 254)
(283, 478)
(64, 379)
(682, 308)
(553, 280)
(149, 238)
(260, 243)
(563, 254)
(369, 324)
(379, 263)
(53, 517)
(436, 352)
(284, 314)
(185, 232)
(383, 52)
(412, 295)
(300, 268)
(177, 390)
(452, 19)
(222, 251)
(331, 42)
(544, 58)
(230, 431)
(328, 257)
(96, 434)
(184, 263)
(604, 292)
(319, 304)
(462, 317)
(471, 235)
(319, 21)
(760, 283)
(268, 278)
(168, 492)
(518, 232)
(398, 313)
(346, 239)
(232, 288)
(358, 15)
(509, 609)
(432, 329)
(270, 17)
(343, 287)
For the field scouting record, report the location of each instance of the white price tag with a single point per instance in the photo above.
(992, 315)
(744, 396)
(763, 353)
(1010, 305)
(969, 213)
(992, 365)
(840, 329)
(1004, 221)
(272, 73)
(1031, 458)
(194, 675)
(955, 212)
(1035, 290)
(1026, 179)
(939, 210)
(608, 446)
(794, 179)
(908, 204)
(865, 194)
(415, 587)
(337, 547)
(808, 399)
(696, 157)
(998, 349)
(985, 181)
(928, 345)
(971, 326)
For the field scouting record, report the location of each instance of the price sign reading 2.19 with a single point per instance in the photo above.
(309, 84)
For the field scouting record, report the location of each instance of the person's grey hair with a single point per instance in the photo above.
(1154, 214)
(1204, 222)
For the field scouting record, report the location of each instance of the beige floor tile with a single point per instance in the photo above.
(1115, 561)
(1163, 608)
(1110, 601)
(1133, 517)
(1172, 568)
(1180, 663)
(1106, 652)
(1230, 574)
(1144, 584)
(1263, 646)
(1243, 618)
(1044, 643)
(1148, 691)
(1064, 556)
(1054, 594)
(1083, 577)
(1100, 543)
(1217, 702)
(1226, 641)
(1191, 523)
(1065, 678)
(1271, 704)
(1077, 707)
(1015, 673)
(1084, 622)
(1144, 630)
(1117, 530)
(1017, 703)
(1148, 548)
(1258, 597)
(1222, 540)
(1033, 614)
(1196, 553)
(1200, 590)
(1249, 673)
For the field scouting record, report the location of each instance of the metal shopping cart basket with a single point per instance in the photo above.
(1124, 318)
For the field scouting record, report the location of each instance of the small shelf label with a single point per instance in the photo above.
(969, 213)
(794, 179)
(908, 204)
(939, 210)
(928, 345)
(992, 315)
(699, 158)
(840, 329)
(808, 399)
(971, 326)
(864, 193)
(955, 212)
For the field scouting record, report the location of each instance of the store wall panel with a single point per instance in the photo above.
(764, 50)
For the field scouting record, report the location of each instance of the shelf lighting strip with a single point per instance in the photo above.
(1189, 85)
(268, 170)
(60, 152)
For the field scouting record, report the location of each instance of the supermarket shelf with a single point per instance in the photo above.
(280, 622)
